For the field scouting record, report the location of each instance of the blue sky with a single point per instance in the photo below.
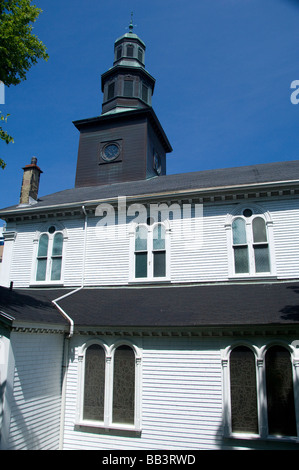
(223, 71)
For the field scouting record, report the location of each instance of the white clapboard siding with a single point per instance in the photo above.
(193, 257)
(181, 398)
(285, 216)
(73, 263)
(107, 255)
(202, 256)
(20, 272)
(36, 401)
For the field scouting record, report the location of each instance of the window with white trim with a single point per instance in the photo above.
(110, 386)
(259, 391)
(151, 252)
(49, 255)
(250, 241)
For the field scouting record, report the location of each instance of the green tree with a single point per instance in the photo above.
(19, 47)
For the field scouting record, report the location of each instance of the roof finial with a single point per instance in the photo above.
(131, 23)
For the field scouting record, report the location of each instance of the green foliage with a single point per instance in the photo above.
(19, 47)
(4, 136)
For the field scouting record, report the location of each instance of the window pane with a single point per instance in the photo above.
(94, 383)
(124, 385)
(43, 245)
(259, 230)
(241, 259)
(140, 264)
(140, 55)
(111, 90)
(280, 393)
(56, 269)
(119, 51)
(141, 238)
(130, 50)
(57, 245)
(261, 255)
(128, 88)
(159, 237)
(159, 264)
(41, 269)
(144, 93)
(243, 391)
(239, 232)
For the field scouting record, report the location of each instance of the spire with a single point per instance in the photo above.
(127, 85)
(131, 24)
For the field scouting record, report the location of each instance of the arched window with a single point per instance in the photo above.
(250, 243)
(124, 385)
(240, 246)
(159, 251)
(118, 53)
(141, 251)
(140, 54)
(128, 88)
(144, 93)
(244, 416)
(109, 386)
(280, 392)
(94, 383)
(258, 389)
(150, 251)
(130, 50)
(49, 255)
(42, 257)
(260, 245)
(56, 256)
(111, 90)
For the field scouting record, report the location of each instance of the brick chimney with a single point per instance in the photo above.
(30, 183)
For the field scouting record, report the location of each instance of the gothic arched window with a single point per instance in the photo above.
(109, 386)
(280, 392)
(151, 251)
(250, 239)
(49, 255)
(123, 385)
(244, 417)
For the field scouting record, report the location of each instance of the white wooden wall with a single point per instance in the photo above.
(181, 398)
(193, 260)
(183, 395)
(33, 392)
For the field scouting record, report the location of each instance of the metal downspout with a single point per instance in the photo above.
(65, 358)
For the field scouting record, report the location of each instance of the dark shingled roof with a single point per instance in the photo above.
(174, 306)
(201, 180)
(31, 305)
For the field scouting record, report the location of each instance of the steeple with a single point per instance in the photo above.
(126, 142)
(127, 85)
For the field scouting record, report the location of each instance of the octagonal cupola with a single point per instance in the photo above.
(127, 85)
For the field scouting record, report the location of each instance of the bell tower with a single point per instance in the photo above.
(127, 85)
(126, 142)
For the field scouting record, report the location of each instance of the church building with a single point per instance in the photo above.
(147, 311)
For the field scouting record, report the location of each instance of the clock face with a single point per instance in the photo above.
(157, 163)
(110, 152)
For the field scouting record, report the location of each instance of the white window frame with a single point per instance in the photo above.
(109, 351)
(44, 230)
(150, 253)
(259, 354)
(257, 211)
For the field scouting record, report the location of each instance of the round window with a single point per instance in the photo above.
(110, 152)
(247, 212)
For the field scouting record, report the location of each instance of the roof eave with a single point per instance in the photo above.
(157, 195)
